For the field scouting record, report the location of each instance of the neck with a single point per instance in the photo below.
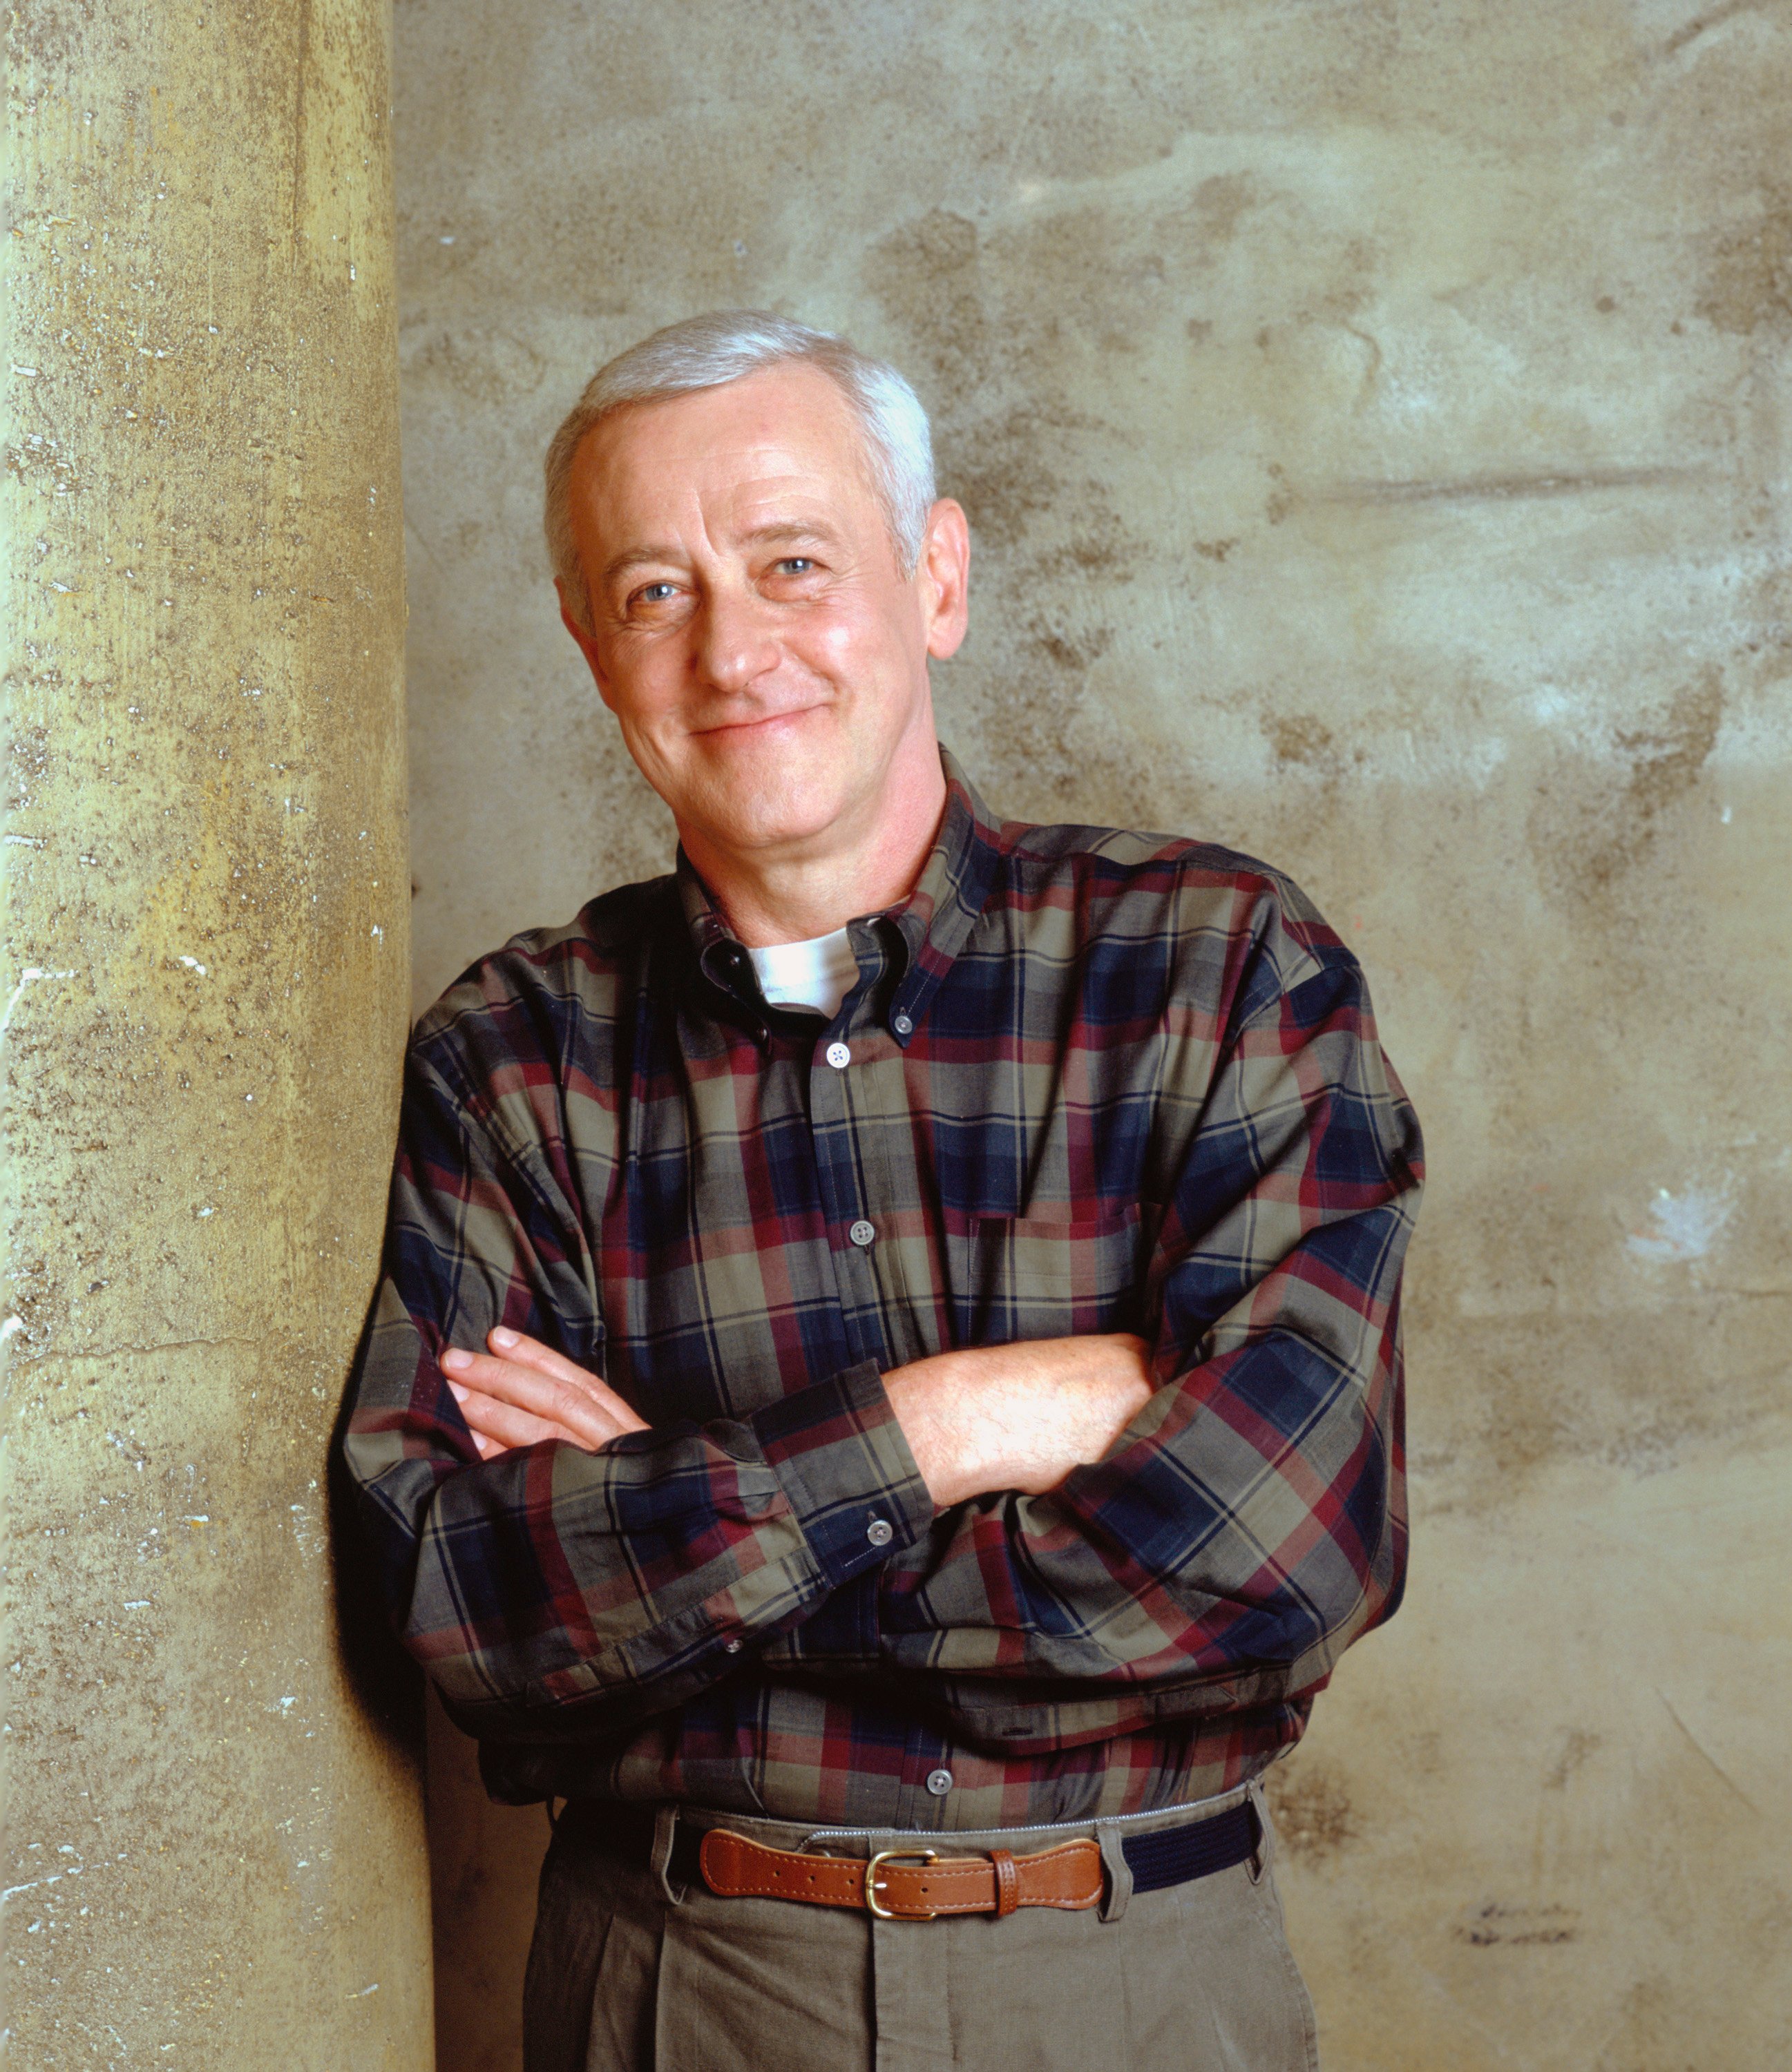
(794, 894)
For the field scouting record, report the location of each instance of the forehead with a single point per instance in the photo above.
(785, 434)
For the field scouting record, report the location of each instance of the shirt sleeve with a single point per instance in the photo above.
(1251, 1522)
(555, 1592)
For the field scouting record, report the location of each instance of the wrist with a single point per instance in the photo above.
(922, 1395)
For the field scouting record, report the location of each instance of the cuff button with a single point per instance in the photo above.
(880, 1532)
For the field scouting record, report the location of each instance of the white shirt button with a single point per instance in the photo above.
(732, 1645)
(880, 1532)
(902, 1024)
(939, 1782)
(838, 1056)
(862, 1233)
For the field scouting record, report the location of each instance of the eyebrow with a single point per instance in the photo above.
(779, 529)
(787, 528)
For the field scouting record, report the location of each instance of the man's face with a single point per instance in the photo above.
(752, 630)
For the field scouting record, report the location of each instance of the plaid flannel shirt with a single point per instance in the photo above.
(1091, 1081)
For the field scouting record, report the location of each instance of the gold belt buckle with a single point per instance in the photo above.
(900, 1855)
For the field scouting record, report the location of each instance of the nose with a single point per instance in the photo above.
(735, 643)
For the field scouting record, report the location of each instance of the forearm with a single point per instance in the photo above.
(1206, 1565)
(535, 1619)
(554, 1588)
(987, 1419)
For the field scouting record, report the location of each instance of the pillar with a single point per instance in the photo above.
(213, 1827)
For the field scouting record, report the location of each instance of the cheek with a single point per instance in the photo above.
(852, 643)
(643, 681)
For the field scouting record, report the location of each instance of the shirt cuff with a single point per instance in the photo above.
(841, 1458)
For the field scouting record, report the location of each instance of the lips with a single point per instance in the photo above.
(744, 726)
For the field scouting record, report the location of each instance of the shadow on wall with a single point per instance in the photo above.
(483, 1863)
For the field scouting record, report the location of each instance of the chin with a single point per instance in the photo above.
(773, 818)
(773, 792)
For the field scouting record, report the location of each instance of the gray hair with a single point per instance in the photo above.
(726, 345)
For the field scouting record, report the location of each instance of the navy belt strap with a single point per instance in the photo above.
(1173, 1855)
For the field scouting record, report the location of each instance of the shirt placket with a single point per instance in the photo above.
(863, 1195)
(883, 1238)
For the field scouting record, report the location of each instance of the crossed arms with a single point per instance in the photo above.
(1060, 1539)
(978, 1420)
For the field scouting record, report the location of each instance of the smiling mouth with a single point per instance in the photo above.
(753, 725)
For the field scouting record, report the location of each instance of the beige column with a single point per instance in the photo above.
(213, 1845)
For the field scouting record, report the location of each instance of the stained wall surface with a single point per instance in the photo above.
(213, 1838)
(1372, 422)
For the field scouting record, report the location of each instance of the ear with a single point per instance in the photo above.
(944, 577)
(586, 643)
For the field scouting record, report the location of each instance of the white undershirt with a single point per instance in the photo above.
(817, 975)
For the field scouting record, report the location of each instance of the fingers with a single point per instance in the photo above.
(524, 1352)
(539, 1405)
(497, 1427)
(517, 1388)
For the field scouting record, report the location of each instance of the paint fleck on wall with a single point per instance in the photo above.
(1372, 421)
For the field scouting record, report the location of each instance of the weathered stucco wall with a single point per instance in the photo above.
(214, 1854)
(1372, 422)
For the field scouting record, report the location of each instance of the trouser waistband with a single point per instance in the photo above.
(1138, 1852)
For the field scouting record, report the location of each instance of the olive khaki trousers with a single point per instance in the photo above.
(630, 1973)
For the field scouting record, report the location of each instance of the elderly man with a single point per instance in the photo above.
(885, 1397)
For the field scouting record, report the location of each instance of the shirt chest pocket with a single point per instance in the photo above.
(1018, 1277)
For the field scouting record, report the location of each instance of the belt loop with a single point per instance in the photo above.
(1119, 1872)
(1262, 1859)
(665, 1828)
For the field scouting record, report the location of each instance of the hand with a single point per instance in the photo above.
(523, 1392)
(1019, 1416)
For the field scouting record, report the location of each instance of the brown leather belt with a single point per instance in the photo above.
(916, 1882)
(907, 1883)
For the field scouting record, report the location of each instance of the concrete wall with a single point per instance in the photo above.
(214, 1850)
(1373, 420)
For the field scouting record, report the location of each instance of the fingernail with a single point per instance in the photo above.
(503, 1336)
(459, 1394)
(454, 1359)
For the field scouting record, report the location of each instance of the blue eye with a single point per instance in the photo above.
(795, 565)
(655, 593)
